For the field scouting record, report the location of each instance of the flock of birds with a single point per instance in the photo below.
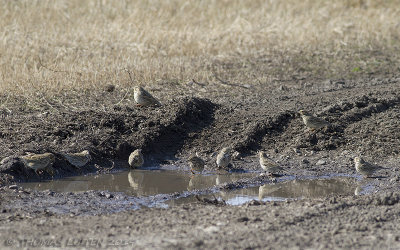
(44, 162)
(144, 98)
(39, 162)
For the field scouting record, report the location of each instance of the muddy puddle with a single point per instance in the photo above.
(140, 182)
(287, 188)
(152, 183)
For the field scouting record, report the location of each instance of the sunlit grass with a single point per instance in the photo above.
(50, 47)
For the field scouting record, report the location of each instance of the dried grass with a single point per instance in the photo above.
(51, 47)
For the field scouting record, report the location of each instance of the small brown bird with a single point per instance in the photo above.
(136, 159)
(39, 161)
(365, 168)
(313, 122)
(78, 159)
(268, 164)
(196, 164)
(144, 98)
(224, 158)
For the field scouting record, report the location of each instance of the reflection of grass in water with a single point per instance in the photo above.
(176, 41)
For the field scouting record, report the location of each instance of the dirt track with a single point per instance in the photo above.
(365, 117)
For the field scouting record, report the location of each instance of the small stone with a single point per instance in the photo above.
(110, 88)
(254, 203)
(49, 192)
(236, 155)
(284, 157)
(105, 194)
(13, 187)
(243, 219)
(283, 88)
(198, 243)
(320, 163)
(305, 161)
(5, 160)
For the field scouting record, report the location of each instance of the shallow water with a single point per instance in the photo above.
(146, 183)
(290, 189)
(139, 182)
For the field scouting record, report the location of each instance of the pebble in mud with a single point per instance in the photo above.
(106, 194)
(305, 161)
(243, 219)
(297, 151)
(109, 88)
(320, 162)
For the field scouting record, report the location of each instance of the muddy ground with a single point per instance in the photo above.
(203, 118)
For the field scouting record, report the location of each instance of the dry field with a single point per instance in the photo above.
(337, 59)
(56, 48)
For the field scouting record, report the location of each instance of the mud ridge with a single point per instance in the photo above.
(253, 137)
(362, 107)
(189, 119)
(341, 115)
(110, 136)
